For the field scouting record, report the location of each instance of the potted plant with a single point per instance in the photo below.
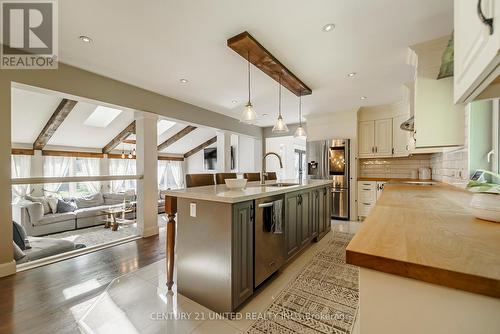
(485, 203)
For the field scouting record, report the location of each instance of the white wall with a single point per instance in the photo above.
(341, 125)
(249, 154)
(196, 163)
(285, 147)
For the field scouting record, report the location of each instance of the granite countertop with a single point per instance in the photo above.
(253, 190)
(387, 179)
(428, 233)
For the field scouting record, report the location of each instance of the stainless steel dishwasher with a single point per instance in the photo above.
(269, 246)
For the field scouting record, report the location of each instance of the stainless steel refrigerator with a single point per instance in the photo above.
(329, 159)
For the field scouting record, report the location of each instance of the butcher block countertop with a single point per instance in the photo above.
(428, 233)
(387, 179)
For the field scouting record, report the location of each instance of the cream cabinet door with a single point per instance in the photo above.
(383, 137)
(400, 138)
(366, 137)
(476, 47)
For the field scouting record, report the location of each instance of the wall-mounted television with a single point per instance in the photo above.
(210, 156)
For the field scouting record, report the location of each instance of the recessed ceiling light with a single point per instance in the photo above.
(350, 75)
(328, 27)
(184, 81)
(363, 97)
(85, 39)
(234, 101)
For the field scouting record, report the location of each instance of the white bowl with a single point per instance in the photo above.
(486, 206)
(236, 184)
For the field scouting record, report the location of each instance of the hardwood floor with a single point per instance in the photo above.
(50, 299)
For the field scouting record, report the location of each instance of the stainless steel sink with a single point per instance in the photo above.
(282, 184)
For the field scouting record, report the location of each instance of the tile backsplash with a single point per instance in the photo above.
(451, 167)
(393, 167)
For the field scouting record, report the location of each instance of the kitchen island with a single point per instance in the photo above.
(427, 265)
(224, 247)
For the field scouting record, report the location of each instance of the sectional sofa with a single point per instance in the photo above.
(38, 222)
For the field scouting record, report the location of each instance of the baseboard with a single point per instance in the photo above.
(8, 268)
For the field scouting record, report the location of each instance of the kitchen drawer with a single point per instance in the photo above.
(364, 209)
(370, 185)
(367, 192)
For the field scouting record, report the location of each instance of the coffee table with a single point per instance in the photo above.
(113, 220)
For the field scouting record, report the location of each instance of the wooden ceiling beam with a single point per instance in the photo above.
(22, 151)
(62, 111)
(200, 147)
(176, 137)
(130, 141)
(249, 48)
(130, 129)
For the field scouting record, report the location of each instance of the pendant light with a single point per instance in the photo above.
(123, 152)
(280, 126)
(300, 132)
(248, 115)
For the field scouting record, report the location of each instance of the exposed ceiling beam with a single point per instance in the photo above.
(62, 111)
(22, 151)
(130, 129)
(176, 137)
(129, 141)
(200, 147)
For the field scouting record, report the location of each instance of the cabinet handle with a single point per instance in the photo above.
(407, 147)
(393, 150)
(488, 22)
(376, 149)
(366, 203)
(367, 189)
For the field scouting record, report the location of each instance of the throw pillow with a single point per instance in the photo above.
(63, 206)
(43, 201)
(52, 203)
(90, 201)
(18, 252)
(18, 235)
(35, 211)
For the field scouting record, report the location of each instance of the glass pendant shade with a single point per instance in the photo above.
(123, 155)
(280, 126)
(300, 132)
(248, 115)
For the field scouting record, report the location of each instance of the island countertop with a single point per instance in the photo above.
(253, 190)
(429, 233)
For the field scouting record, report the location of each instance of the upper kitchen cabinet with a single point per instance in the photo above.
(379, 134)
(438, 121)
(477, 46)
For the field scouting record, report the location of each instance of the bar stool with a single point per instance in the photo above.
(199, 180)
(252, 176)
(221, 177)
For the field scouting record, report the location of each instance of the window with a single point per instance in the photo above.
(70, 166)
(20, 167)
(170, 175)
(122, 167)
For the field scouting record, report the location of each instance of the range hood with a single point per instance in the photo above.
(408, 125)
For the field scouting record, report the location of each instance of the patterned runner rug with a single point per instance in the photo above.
(323, 298)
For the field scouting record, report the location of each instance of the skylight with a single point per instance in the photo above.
(102, 117)
(164, 125)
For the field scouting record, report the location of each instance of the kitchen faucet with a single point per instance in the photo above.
(263, 174)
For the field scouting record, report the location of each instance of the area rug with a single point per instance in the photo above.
(97, 235)
(323, 298)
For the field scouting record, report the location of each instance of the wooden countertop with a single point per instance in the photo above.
(387, 179)
(428, 233)
(253, 190)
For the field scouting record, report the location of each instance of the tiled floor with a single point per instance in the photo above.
(139, 302)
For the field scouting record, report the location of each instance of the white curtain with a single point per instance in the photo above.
(122, 167)
(55, 167)
(20, 167)
(90, 167)
(162, 174)
(170, 175)
(178, 173)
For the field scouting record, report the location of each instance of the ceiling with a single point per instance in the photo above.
(31, 110)
(157, 42)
